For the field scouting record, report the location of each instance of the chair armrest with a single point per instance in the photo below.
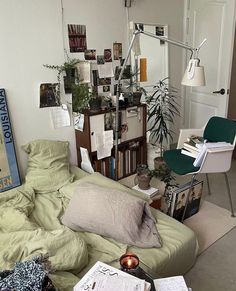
(221, 149)
(185, 134)
(217, 160)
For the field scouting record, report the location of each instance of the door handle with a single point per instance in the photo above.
(221, 91)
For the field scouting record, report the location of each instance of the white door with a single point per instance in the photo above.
(214, 20)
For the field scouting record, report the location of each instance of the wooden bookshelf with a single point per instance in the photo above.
(132, 148)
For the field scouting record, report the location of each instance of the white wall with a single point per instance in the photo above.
(31, 35)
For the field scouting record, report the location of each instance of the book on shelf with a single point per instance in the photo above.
(106, 278)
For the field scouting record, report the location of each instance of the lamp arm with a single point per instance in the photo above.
(174, 42)
(194, 52)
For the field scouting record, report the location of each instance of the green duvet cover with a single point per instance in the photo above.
(30, 225)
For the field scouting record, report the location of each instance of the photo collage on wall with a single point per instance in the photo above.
(105, 65)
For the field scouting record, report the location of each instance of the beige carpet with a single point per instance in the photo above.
(210, 224)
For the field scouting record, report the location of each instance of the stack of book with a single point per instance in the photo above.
(193, 146)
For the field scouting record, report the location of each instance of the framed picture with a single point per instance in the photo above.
(179, 199)
(9, 173)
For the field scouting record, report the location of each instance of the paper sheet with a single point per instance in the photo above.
(78, 121)
(84, 72)
(104, 144)
(60, 116)
(105, 283)
(106, 70)
(176, 283)
(85, 161)
(208, 145)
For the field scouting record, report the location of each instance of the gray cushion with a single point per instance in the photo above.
(112, 213)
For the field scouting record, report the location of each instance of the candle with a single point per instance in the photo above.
(129, 262)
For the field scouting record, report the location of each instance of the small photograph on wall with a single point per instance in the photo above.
(117, 51)
(95, 77)
(106, 88)
(107, 55)
(104, 81)
(77, 38)
(49, 95)
(160, 32)
(9, 173)
(100, 60)
(90, 55)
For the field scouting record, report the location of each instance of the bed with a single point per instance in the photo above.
(30, 225)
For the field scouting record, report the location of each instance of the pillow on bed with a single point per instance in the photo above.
(48, 165)
(112, 213)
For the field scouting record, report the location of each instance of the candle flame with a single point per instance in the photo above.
(129, 262)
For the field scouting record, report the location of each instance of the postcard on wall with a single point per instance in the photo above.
(117, 51)
(90, 55)
(107, 55)
(77, 38)
(9, 173)
(49, 95)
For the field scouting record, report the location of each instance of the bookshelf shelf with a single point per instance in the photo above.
(132, 148)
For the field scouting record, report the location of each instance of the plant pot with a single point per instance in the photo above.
(143, 181)
(95, 104)
(161, 166)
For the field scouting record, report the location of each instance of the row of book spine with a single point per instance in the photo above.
(127, 164)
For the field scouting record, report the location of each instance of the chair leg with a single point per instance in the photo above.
(187, 199)
(229, 193)
(208, 184)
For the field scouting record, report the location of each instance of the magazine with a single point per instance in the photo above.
(104, 277)
(179, 199)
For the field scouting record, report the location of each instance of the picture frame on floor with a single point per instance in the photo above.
(179, 199)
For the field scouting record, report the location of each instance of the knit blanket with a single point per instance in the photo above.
(29, 275)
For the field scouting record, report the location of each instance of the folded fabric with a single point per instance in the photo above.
(112, 213)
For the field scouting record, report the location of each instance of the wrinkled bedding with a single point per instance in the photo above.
(30, 225)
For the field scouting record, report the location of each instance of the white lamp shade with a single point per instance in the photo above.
(198, 78)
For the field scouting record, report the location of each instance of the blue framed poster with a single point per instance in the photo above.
(9, 173)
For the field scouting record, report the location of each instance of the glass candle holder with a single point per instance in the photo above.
(129, 263)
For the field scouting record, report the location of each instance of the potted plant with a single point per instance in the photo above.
(162, 109)
(69, 68)
(81, 95)
(144, 176)
(132, 86)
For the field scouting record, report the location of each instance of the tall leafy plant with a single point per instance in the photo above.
(162, 109)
